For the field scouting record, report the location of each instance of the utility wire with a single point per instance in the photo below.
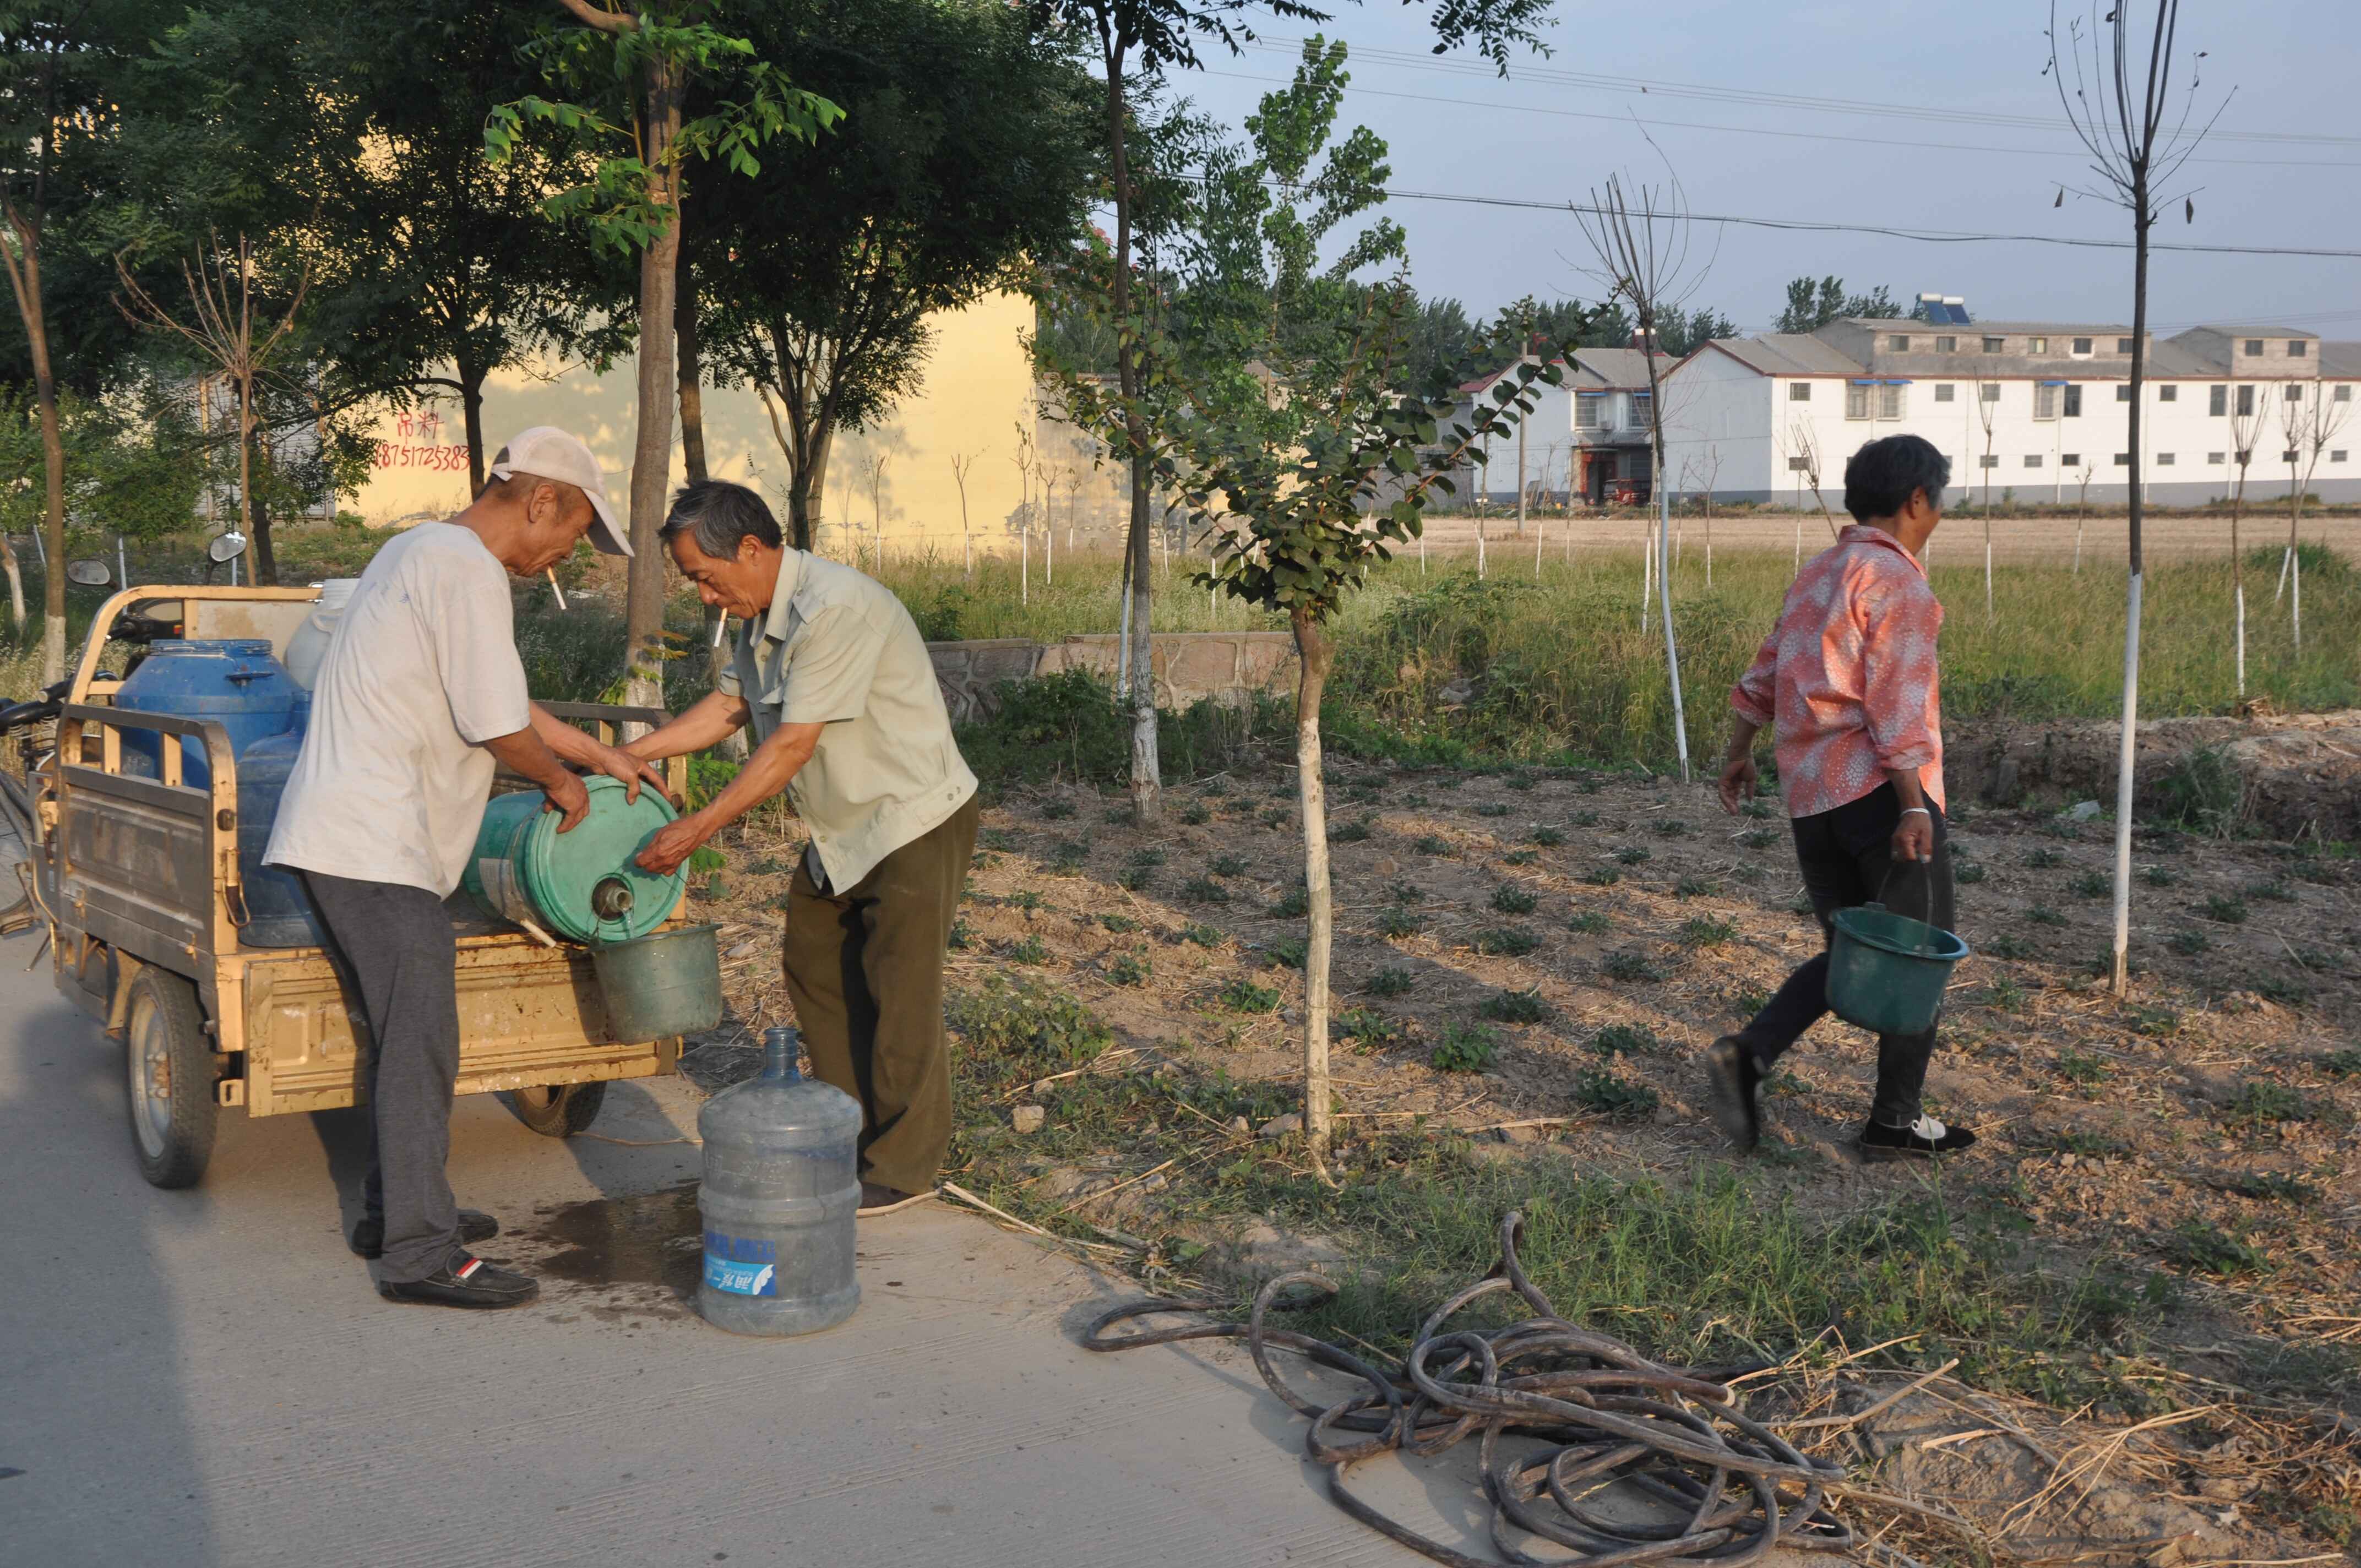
(1756, 131)
(1269, 43)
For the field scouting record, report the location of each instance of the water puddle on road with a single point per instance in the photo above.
(643, 1253)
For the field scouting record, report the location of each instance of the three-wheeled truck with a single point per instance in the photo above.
(136, 879)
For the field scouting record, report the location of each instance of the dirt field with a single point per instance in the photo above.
(2017, 540)
(1597, 931)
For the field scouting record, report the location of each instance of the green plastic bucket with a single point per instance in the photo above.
(1887, 971)
(663, 985)
(582, 883)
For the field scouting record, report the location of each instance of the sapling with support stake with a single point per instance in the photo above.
(2121, 102)
(1307, 519)
(2245, 426)
(2310, 423)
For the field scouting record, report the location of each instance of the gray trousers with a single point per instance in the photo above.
(396, 956)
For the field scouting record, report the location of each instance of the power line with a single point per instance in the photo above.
(1653, 86)
(1757, 131)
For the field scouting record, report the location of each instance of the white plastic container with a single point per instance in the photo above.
(309, 646)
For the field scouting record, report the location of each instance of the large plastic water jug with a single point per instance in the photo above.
(234, 681)
(309, 646)
(278, 907)
(782, 1186)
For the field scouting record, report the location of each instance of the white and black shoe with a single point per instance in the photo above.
(1922, 1139)
(466, 1280)
(1734, 1089)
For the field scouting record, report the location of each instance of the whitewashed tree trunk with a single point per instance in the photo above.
(1672, 646)
(1311, 655)
(2124, 756)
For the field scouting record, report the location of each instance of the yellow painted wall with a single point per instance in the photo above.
(978, 388)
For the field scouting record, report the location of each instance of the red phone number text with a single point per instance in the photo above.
(394, 454)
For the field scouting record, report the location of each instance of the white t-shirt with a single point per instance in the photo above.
(393, 776)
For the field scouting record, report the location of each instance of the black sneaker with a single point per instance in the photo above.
(876, 1198)
(465, 1281)
(1734, 1085)
(1922, 1139)
(368, 1234)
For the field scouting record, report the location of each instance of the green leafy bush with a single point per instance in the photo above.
(1599, 1090)
(1506, 941)
(1516, 1007)
(1466, 1047)
(1510, 899)
(1243, 996)
(1391, 982)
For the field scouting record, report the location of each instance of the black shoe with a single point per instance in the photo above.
(1922, 1139)
(876, 1198)
(368, 1235)
(1734, 1084)
(465, 1281)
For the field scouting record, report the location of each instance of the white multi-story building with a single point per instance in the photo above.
(1587, 434)
(2039, 410)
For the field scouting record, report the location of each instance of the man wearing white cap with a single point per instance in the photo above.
(419, 699)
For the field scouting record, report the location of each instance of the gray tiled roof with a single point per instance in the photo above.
(1788, 353)
(2340, 361)
(1618, 368)
(1995, 329)
(2234, 331)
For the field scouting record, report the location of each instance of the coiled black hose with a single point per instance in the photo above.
(1729, 1488)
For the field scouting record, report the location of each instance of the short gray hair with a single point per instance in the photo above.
(718, 515)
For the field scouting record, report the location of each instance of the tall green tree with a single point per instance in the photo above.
(1147, 39)
(627, 71)
(966, 155)
(1814, 303)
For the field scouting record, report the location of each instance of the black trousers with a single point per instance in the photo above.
(1847, 858)
(395, 951)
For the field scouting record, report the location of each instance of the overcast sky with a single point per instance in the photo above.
(1975, 68)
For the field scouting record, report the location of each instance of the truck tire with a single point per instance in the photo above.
(559, 1109)
(168, 1073)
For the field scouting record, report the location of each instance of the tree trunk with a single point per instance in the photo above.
(692, 389)
(2124, 758)
(1146, 778)
(2238, 579)
(257, 510)
(1312, 653)
(471, 417)
(652, 450)
(24, 264)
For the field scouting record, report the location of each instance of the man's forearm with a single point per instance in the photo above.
(709, 720)
(766, 773)
(526, 754)
(569, 744)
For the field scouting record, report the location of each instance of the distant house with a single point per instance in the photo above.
(1588, 435)
(2037, 408)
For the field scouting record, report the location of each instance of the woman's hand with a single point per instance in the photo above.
(672, 844)
(1914, 836)
(1739, 777)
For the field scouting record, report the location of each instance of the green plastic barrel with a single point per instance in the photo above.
(581, 884)
(1887, 971)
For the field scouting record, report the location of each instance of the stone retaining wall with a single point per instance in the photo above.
(1188, 666)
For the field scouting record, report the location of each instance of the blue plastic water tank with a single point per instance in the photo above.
(278, 908)
(233, 680)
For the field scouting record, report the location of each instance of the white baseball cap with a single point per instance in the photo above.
(549, 453)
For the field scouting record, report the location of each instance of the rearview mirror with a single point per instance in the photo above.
(226, 546)
(89, 574)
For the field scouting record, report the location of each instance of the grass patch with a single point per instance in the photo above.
(1121, 925)
(1354, 832)
(2189, 944)
(2080, 1069)
(1243, 996)
(2271, 891)
(2090, 884)
(1491, 808)
(1466, 1047)
(1758, 837)
(1127, 969)
(2041, 857)
(1390, 982)
(1696, 887)
(1517, 1007)
(1196, 814)
(2224, 910)
(1626, 1040)
(1509, 899)
(1546, 838)
(2203, 1247)
(1227, 866)
(2260, 1104)
(2160, 876)
(1670, 827)
(1397, 923)
(2042, 914)
(1589, 923)
(1292, 904)
(1433, 844)
(1368, 1029)
(1505, 942)
(1288, 952)
(2008, 946)
(1030, 949)
(1634, 966)
(1602, 876)
(1967, 873)
(1204, 890)
(1203, 935)
(2339, 1064)
(1057, 810)
(1707, 931)
(1633, 854)
(1610, 1094)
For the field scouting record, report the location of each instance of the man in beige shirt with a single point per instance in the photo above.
(831, 674)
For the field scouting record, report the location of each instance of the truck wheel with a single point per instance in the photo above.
(559, 1109)
(168, 1071)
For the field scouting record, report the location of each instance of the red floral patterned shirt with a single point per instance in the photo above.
(1849, 675)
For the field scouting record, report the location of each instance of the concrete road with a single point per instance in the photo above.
(208, 1377)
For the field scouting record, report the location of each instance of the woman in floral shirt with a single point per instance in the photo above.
(1847, 681)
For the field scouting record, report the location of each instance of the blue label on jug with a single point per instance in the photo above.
(740, 1267)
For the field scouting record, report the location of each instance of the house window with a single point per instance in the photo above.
(2045, 402)
(1799, 391)
(2290, 456)
(2069, 460)
(2123, 391)
(2123, 345)
(2295, 348)
(1988, 392)
(2253, 348)
(2081, 345)
(1899, 342)
(1994, 344)
(2164, 459)
(1889, 401)
(1642, 403)
(1857, 401)
(1591, 410)
(2345, 392)
(2217, 458)
(1987, 461)
(2037, 346)
(1947, 345)
(1797, 465)
(2168, 394)
(1943, 392)
(2073, 409)
(2295, 392)
(2033, 459)
(2246, 399)
(2337, 454)
(2123, 459)
(2217, 400)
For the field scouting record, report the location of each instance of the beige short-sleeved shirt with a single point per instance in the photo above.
(837, 648)
(393, 776)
